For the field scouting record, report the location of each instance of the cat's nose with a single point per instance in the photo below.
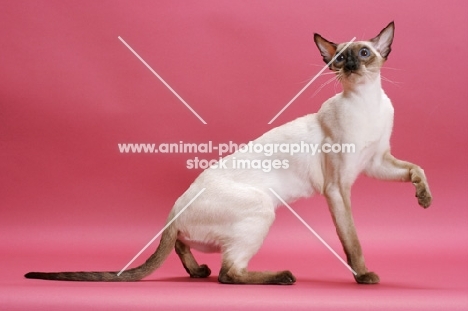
(352, 62)
(351, 65)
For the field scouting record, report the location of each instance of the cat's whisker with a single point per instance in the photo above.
(316, 65)
(338, 80)
(385, 67)
(392, 82)
(323, 85)
(322, 74)
(336, 85)
(328, 73)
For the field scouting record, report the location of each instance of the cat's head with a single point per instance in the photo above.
(360, 60)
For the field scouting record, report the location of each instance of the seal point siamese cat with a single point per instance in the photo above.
(235, 212)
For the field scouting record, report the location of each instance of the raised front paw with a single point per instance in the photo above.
(367, 278)
(422, 189)
(424, 195)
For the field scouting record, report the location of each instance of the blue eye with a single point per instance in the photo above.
(364, 52)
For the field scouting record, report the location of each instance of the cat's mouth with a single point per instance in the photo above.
(350, 73)
(351, 76)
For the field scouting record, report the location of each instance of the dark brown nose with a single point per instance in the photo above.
(351, 66)
(352, 62)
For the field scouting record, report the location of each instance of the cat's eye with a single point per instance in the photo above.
(340, 58)
(364, 52)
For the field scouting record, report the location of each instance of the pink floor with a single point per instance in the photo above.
(420, 255)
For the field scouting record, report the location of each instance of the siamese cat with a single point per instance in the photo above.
(234, 214)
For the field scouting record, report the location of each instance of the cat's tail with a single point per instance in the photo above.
(165, 247)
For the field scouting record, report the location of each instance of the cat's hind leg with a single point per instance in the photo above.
(190, 264)
(230, 274)
(244, 242)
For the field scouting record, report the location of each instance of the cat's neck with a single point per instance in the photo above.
(364, 88)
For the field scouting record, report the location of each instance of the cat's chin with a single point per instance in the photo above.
(353, 78)
(358, 77)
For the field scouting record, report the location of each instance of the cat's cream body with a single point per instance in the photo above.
(363, 117)
(242, 194)
(234, 213)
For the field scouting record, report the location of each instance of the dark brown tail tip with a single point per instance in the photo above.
(31, 275)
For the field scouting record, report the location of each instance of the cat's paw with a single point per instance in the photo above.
(201, 272)
(367, 278)
(424, 195)
(284, 278)
(422, 189)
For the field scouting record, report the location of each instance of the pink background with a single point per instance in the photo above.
(70, 91)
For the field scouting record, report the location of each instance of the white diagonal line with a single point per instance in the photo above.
(160, 232)
(162, 80)
(313, 231)
(310, 82)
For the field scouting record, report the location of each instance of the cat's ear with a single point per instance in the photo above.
(383, 42)
(327, 48)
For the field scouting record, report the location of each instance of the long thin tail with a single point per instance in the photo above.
(165, 247)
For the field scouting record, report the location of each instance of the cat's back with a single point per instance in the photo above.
(270, 165)
(305, 129)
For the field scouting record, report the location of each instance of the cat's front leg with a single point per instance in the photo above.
(338, 198)
(387, 167)
(419, 180)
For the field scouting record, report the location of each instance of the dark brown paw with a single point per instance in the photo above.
(367, 278)
(424, 196)
(422, 188)
(284, 278)
(202, 272)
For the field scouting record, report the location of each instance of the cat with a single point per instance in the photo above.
(234, 213)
